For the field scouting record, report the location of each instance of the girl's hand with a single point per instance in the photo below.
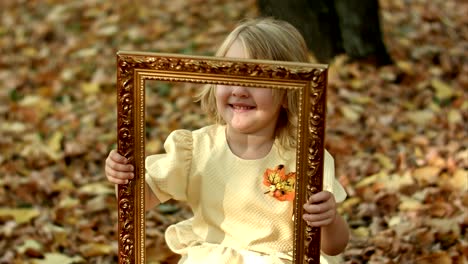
(118, 171)
(320, 209)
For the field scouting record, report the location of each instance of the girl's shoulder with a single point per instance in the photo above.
(212, 131)
(208, 136)
(207, 131)
(205, 136)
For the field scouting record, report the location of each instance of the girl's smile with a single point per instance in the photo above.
(240, 107)
(247, 110)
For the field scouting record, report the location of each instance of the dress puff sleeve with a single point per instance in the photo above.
(329, 181)
(167, 174)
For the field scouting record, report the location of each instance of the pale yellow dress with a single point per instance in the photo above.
(234, 220)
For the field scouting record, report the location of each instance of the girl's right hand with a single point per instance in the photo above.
(118, 171)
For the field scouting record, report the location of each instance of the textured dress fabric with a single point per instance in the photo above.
(235, 219)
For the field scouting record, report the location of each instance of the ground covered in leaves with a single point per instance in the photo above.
(399, 132)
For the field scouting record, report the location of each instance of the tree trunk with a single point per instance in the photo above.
(332, 27)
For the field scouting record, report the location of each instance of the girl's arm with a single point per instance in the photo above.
(150, 199)
(321, 212)
(118, 171)
(335, 236)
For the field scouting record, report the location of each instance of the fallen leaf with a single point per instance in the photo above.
(20, 215)
(69, 202)
(58, 258)
(454, 116)
(55, 143)
(385, 161)
(427, 175)
(97, 204)
(435, 257)
(351, 113)
(409, 204)
(96, 249)
(406, 66)
(13, 127)
(28, 245)
(90, 88)
(422, 117)
(361, 231)
(443, 90)
(97, 188)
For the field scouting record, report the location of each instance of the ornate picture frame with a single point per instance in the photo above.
(133, 68)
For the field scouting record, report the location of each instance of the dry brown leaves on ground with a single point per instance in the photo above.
(398, 133)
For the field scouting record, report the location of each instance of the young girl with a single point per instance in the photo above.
(238, 175)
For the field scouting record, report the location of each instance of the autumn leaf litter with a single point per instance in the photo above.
(398, 132)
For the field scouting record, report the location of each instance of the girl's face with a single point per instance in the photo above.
(247, 110)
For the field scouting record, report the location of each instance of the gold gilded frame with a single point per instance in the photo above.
(133, 68)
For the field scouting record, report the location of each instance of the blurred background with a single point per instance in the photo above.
(396, 122)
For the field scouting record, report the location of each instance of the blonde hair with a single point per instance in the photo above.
(268, 39)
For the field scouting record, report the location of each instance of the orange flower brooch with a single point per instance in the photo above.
(280, 185)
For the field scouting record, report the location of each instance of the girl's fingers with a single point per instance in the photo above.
(320, 197)
(121, 167)
(118, 181)
(319, 217)
(119, 174)
(118, 164)
(318, 208)
(318, 224)
(320, 203)
(117, 170)
(115, 156)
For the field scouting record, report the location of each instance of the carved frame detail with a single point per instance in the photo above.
(133, 68)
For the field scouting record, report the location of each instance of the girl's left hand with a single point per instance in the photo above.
(320, 209)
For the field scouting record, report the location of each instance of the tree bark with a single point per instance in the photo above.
(332, 27)
(359, 22)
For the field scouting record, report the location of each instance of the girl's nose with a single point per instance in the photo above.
(240, 91)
